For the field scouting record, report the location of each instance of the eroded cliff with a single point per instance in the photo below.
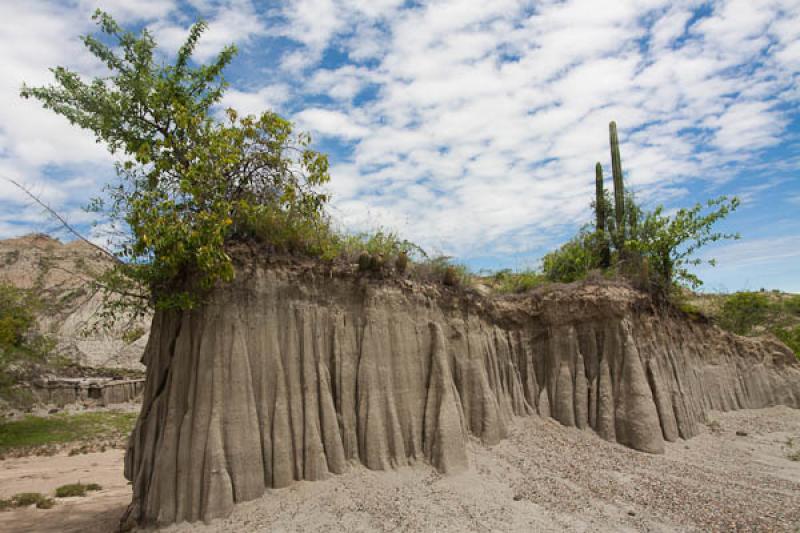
(290, 374)
(61, 276)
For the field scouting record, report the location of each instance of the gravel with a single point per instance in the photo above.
(547, 477)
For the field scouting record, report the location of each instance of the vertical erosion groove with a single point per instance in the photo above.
(251, 393)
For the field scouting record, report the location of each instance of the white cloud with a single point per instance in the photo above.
(269, 98)
(229, 22)
(31, 137)
(483, 120)
(767, 250)
(343, 83)
(329, 123)
(489, 116)
(125, 11)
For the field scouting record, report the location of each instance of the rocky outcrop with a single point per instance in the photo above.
(61, 275)
(288, 374)
(100, 391)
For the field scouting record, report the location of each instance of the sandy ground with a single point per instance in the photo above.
(544, 478)
(98, 512)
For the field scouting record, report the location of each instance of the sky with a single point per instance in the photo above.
(471, 128)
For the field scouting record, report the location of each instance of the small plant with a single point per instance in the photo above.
(26, 499)
(401, 263)
(363, 261)
(76, 489)
(450, 277)
(132, 335)
(791, 453)
(516, 282)
(376, 263)
(713, 425)
(691, 310)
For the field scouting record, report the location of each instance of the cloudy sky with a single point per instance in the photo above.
(470, 127)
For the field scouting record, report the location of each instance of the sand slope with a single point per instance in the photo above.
(544, 477)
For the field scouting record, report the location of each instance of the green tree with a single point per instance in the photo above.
(21, 346)
(192, 178)
(667, 244)
(16, 316)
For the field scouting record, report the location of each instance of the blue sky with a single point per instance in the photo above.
(469, 127)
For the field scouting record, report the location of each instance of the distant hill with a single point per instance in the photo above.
(60, 275)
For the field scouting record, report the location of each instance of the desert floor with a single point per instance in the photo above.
(545, 477)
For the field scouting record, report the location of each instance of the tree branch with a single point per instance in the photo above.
(53, 213)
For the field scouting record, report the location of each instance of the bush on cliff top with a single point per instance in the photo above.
(189, 181)
(193, 180)
(652, 249)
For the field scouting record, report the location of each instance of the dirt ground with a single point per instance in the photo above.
(545, 477)
(97, 512)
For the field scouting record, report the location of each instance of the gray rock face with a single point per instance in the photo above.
(285, 376)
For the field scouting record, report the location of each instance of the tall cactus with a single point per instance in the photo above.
(619, 188)
(600, 211)
(599, 202)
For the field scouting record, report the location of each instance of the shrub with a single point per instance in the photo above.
(574, 259)
(380, 242)
(24, 499)
(76, 489)
(743, 310)
(17, 315)
(790, 337)
(22, 348)
(516, 282)
(792, 304)
(652, 249)
(440, 269)
(132, 335)
(689, 309)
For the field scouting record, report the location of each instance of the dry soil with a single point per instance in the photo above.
(545, 477)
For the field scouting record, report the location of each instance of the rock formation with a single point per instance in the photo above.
(98, 391)
(61, 276)
(291, 374)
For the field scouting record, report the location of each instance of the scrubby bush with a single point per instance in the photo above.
(792, 304)
(574, 259)
(76, 489)
(17, 315)
(507, 281)
(441, 269)
(25, 499)
(22, 348)
(741, 311)
(790, 336)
